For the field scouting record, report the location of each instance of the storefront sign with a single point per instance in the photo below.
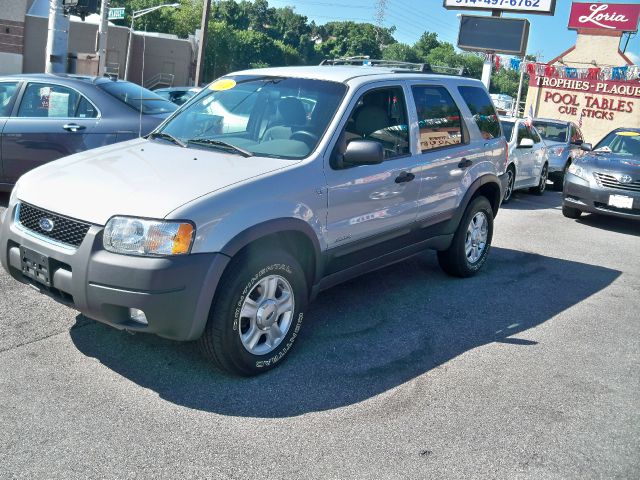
(589, 98)
(545, 7)
(605, 16)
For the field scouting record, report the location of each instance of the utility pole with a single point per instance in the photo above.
(103, 32)
(57, 39)
(202, 43)
(381, 12)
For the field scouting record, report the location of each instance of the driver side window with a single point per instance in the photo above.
(380, 115)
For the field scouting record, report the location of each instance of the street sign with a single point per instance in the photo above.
(494, 34)
(116, 13)
(543, 7)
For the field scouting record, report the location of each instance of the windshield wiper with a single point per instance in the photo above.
(220, 143)
(167, 136)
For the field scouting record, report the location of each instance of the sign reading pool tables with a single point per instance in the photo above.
(544, 7)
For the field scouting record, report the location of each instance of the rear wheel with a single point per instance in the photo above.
(257, 312)
(570, 212)
(542, 184)
(511, 179)
(471, 242)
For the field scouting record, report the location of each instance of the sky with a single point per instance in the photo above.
(548, 38)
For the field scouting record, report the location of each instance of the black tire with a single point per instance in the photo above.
(558, 182)
(511, 181)
(454, 260)
(221, 340)
(542, 185)
(570, 212)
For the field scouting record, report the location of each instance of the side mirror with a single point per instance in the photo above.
(587, 147)
(526, 143)
(363, 152)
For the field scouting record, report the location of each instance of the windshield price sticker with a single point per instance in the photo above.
(546, 7)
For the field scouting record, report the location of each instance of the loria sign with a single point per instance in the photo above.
(605, 16)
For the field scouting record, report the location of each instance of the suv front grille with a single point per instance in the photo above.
(609, 181)
(65, 230)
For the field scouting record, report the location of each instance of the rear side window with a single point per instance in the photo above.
(523, 132)
(54, 101)
(438, 118)
(507, 128)
(482, 110)
(138, 98)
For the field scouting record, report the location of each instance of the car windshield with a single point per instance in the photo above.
(507, 128)
(138, 98)
(620, 143)
(266, 116)
(552, 132)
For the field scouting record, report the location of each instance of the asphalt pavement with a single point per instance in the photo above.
(528, 370)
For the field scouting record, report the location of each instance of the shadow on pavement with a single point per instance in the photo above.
(522, 200)
(613, 224)
(364, 337)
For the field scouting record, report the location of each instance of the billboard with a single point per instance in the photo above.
(493, 34)
(544, 7)
(622, 17)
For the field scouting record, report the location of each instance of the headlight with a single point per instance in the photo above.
(556, 151)
(136, 236)
(578, 171)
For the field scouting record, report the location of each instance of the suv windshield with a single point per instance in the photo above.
(138, 98)
(621, 143)
(552, 132)
(266, 116)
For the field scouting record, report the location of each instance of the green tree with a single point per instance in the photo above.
(426, 43)
(401, 52)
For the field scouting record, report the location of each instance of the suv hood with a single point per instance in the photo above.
(142, 178)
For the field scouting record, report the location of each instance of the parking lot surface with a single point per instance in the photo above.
(529, 370)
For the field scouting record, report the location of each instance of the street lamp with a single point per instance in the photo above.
(138, 14)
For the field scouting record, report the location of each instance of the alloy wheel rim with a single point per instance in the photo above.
(266, 315)
(476, 239)
(509, 191)
(543, 179)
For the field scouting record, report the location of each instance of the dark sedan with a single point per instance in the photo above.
(607, 179)
(45, 117)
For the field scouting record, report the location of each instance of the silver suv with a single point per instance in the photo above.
(268, 187)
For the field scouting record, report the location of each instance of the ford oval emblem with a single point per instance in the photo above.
(625, 179)
(46, 224)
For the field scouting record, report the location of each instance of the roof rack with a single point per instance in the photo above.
(396, 65)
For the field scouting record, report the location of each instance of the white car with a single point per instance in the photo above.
(528, 163)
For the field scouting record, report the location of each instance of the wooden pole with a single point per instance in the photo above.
(202, 44)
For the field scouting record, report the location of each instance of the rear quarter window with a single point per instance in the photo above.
(482, 110)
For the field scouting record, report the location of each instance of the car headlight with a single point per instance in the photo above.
(578, 171)
(137, 236)
(556, 151)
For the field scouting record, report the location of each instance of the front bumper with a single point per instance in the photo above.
(588, 196)
(175, 293)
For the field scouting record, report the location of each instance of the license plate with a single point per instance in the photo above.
(620, 201)
(36, 266)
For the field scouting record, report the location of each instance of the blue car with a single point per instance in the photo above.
(44, 117)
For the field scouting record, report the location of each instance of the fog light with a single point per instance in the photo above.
(138, 316)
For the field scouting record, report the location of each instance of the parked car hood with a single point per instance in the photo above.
(145, 178)
(610, 162)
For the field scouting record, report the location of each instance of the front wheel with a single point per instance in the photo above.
(570, 212)
(542, 185)
(511, 179)
(257, 312)
(471, 242)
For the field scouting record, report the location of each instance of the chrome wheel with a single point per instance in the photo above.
(266, 315)
(543, 179)
(476, 239)
(509, 190)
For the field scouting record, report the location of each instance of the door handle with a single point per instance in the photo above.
(73, 127)
(405, 177)
(465, 163)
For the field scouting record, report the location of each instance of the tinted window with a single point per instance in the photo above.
(507, 129)
(482, 110)
(381, 115)
(138, 98)
(54, 101)
(553, 132)
(533, 134)
(522, 132)
(7, 90)
(438, 118)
